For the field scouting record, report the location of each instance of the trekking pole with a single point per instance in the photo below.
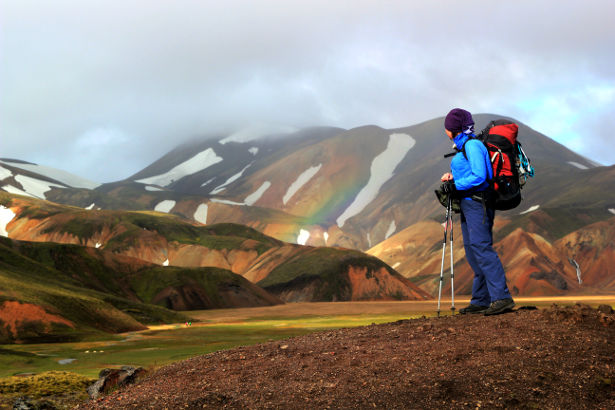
(448, 210)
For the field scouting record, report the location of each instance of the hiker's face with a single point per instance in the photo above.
(449, 134)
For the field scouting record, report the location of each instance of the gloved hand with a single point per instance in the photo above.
(448, 191)
(449, 187)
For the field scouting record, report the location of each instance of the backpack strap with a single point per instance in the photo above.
(491, 181)
(463, 148)
(496, 152)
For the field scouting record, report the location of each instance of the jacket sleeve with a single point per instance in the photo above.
(477, 162)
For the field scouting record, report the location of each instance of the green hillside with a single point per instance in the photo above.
(41, 303)
(55, 292)
(197, 288)
(321, 274)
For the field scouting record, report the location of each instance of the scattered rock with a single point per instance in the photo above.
(28, 374)
(109, 379)
(529, 307)
(24, 403)
(606, 309)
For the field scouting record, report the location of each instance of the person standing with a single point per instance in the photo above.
(469, 179)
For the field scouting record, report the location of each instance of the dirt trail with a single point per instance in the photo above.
(553, 358)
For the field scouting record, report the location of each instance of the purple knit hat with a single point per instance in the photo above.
(459, 120)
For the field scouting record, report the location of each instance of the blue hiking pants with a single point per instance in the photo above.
(489, 278)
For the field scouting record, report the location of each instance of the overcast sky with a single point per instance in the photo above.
(103, 88)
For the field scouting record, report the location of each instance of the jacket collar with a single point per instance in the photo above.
(461, 139)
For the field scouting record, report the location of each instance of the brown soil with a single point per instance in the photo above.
(554, 358)
(14, 315)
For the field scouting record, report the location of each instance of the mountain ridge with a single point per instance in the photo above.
(325, 187)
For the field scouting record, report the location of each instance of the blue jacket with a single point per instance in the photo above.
(474, 173)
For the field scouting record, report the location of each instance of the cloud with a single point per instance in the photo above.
(101, 153)
(580, 118)
(159, 72)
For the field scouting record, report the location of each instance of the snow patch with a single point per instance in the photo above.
(6, 216)
(391, 230)
(200, 215)
(253, 150)
(197, 163)
(612, 210)
(396, 265)
(230, 180)
(530, 209)
(35, 187)
(98, 245)
(300, 181)
(57, 174)
(255, 132)
(14, 190)
(207, 182)
(326, 236)
(226, 202)
(165, 206)
(382, 169)
(250, 199)
(5, 173)
(576, 164)
(90, 207)
(166, 263)
(153, 188)
(369, 240)
(256, 195)
(303, 237)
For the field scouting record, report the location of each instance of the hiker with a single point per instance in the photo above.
(470, 182)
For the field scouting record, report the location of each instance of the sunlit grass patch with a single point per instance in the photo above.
(54, 389)
(45, 384)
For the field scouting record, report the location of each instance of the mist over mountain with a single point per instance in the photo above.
(101, 103)
(366, 182)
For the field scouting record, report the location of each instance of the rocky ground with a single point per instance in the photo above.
(561, 357)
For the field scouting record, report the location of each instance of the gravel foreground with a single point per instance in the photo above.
(560, 357)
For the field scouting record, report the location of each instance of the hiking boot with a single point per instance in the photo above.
(473, 309)
(500, 306)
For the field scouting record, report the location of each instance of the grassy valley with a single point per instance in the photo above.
(55, 292)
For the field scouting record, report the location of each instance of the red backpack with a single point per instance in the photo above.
(511, 167)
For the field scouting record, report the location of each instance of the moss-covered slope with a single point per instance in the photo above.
(54, 292)
(335, 274)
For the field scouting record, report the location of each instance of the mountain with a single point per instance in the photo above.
(332, 274)
(329, 186)
(535, 265)
(358, 186)
(592, 247)
(167, 240)
(26, 178)
(343, 188)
